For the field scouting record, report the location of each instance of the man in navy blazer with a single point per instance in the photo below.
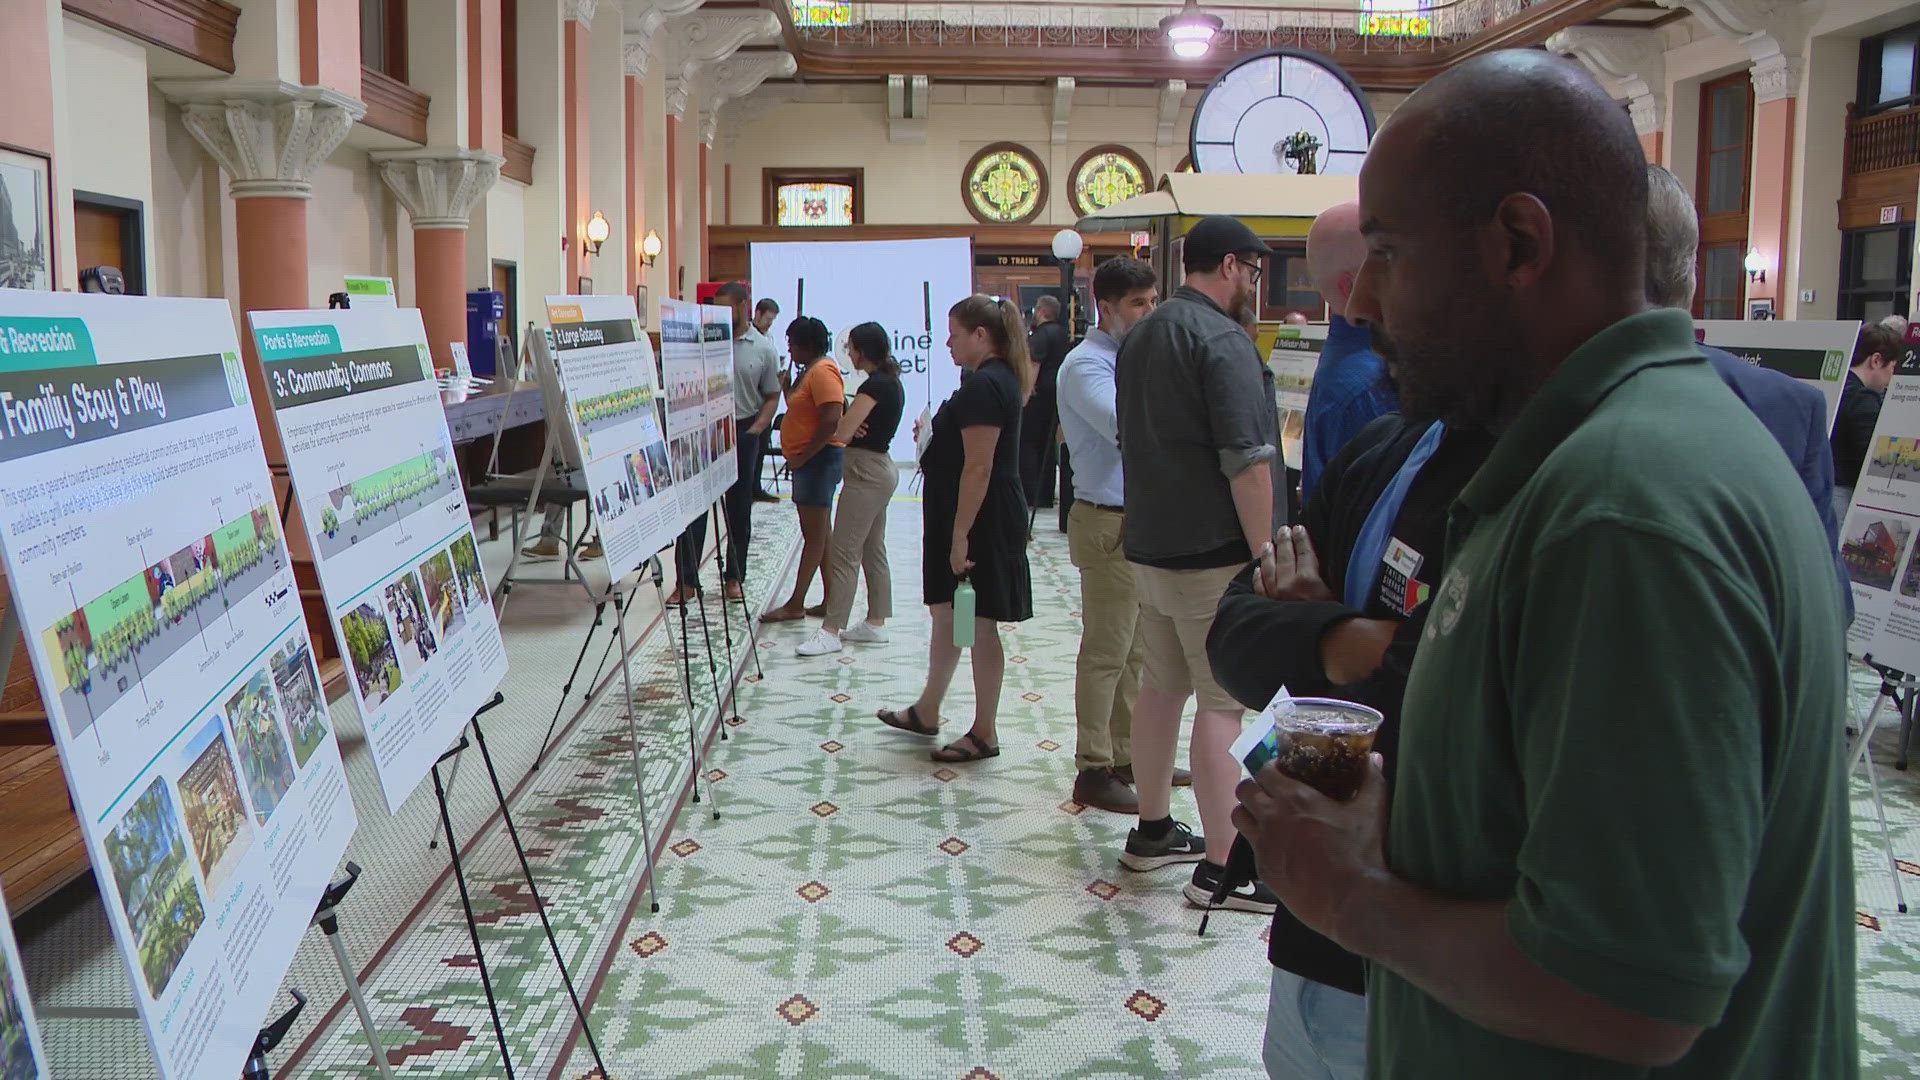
(1792, 411)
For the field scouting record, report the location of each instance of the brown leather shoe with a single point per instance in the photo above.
(1181, 777)
(1103, 789)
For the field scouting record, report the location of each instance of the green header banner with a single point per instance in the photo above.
(369, 286)
(293, 342)
(27, 343)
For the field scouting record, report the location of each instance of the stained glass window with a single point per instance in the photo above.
(815, 204)
(1005, 183)
(1107, 175)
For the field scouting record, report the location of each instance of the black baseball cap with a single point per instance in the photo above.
(1216, 236)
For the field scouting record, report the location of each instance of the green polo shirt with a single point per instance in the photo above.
(1625, 720)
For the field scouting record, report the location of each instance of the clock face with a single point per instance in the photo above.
(1282, 112)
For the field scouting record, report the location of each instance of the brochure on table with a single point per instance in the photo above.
(386, 515)
(1295, 357)
(1878, 538)
(21, 1057)
(606, 374)
(717, 333)
(158, 607)
(1814, 351)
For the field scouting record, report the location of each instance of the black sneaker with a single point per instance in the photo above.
(1253, 896)
(1180, 845)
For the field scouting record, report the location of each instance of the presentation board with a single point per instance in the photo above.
(606, 374)
(1294, 359)
(683, 363)
(386, 517)
(1878, 539)
(21, 1057)
(1816, 352)
(906, 286)
(717, 334)
(158, 607)
(364, 291)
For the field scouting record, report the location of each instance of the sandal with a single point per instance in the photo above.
(908, 721)
(780, 615)
(817, 611)
(957, 751)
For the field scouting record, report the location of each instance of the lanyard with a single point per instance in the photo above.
(1363, 566)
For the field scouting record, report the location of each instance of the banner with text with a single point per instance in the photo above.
(1816, 352)
(158, 606)
(1877, 541)
(386, 517)
(1294, 359)
(607, 376)
(904, 285)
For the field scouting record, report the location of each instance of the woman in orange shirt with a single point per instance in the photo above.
(814, 405)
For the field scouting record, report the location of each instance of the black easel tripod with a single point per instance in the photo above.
(533, 890)
(256, 1067)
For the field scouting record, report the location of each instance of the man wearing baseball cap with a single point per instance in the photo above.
(1199, 436)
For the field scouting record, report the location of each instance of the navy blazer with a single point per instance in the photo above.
(1796, 416)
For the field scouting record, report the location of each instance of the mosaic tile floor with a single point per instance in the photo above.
(857, 911)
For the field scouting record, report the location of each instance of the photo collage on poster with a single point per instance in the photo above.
(159, 610)
(387, 520)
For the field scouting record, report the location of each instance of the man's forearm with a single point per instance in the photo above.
(765, 417)
(1253, 502)
(1461, 954)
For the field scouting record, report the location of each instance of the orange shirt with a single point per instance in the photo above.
(822, 385)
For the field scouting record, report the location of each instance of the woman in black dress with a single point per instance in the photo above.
(974, 519)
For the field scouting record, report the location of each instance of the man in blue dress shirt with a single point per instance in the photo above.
(1349, 386)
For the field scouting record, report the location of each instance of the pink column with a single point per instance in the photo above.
(579, 194)
(673, 206)
(484, 102)
(706, 215)
(636, 175)
(330, 45)
(1772, 188)
(1651, 142)
(270, 233)
(439, 270)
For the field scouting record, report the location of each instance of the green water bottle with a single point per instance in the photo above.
(963, 614)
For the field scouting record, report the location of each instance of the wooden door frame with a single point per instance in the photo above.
(133, 234)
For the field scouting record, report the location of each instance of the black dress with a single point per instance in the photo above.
(1003, 590)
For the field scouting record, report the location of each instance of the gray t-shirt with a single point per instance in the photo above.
(756, 373)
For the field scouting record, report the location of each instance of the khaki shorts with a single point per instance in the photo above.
(1176, 611)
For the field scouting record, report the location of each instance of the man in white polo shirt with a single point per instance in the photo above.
(1107, 672)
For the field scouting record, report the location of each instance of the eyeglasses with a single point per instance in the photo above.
(1255, 267)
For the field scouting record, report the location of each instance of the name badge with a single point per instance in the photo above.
(1400, 587)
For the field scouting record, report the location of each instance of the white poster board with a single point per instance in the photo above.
(906, 286)
(364, 291)
(683, 363)
(21, 1057)
(1814, 351)
(158, 606)
(1294, 359)
(717, 335)
(1877, 541)
(386, 517)
(607, 375)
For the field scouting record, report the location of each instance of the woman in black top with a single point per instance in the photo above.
(974, 518)
(860, 527)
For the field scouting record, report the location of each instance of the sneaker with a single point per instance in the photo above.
(820, 643)
(1180, 845)
(765, 497)
(1103, 790)
(591, 550)
(1253, 896)
(542, 550)
(865, 634)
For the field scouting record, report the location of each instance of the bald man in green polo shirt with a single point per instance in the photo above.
(1618, 839)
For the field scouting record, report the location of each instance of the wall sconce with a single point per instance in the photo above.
(1756, 266)
(597, 232)
(650, 247)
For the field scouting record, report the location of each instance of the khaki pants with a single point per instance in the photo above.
(860, 536)
(1107, 671)
(1176, 611)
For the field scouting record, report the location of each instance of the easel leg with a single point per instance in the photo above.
(453, 776)
(567, 687)
(466, 906)
(359, 999)
(539, 906)
(639, 773)
(726, 616)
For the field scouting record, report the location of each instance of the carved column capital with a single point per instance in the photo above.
(1631, 63)
(439, 187)
(269, 136)
(1774, 33)
(581, 11)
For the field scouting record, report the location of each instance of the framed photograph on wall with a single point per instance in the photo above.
(26, 219)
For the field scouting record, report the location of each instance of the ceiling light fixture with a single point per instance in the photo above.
(1191, 30)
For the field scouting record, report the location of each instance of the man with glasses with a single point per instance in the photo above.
(1199, 434)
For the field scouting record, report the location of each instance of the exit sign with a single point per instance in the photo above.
(1890, 215)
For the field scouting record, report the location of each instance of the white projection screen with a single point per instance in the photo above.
(904, 285)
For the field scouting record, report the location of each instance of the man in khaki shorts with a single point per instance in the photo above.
(1199, 431)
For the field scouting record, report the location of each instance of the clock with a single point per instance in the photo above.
(1283, 111)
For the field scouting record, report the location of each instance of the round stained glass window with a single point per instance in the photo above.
(1106, 175)
(1004, 184)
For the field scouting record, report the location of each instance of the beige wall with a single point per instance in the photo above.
(108, 151)
(186, 258)
(351, 228)
(919, 183)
